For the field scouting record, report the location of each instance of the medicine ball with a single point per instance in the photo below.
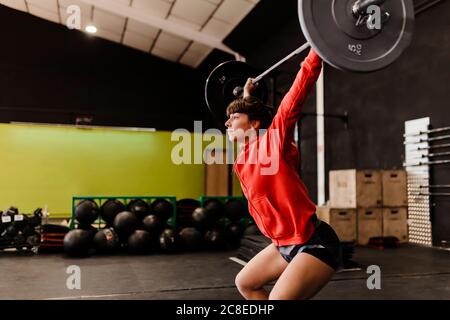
(235, 209)
(140, 242)
(169, 241)
(86, 212)
(216, 208)
(203, 219)
(162, 208)
(252, 230)
(78, 242)
(234, 232)
(215, 239)
(125, 223)
(191, 239)
(106, 241)
(185, 207)
(110, 209)
(153, 224)
(139, 207)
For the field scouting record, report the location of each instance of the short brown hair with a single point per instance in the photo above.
(254, 108)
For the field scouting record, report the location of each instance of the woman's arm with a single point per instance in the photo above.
(290, 108)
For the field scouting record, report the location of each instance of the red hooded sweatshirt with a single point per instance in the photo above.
(267, 168)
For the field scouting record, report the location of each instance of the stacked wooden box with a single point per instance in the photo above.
(367, 203)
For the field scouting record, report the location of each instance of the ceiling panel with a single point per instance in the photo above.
(15, 4)
(185, 23)
(218, 28)
(51, 15)
(195, 55)
(137, 41)
(233, 11)
(168, 55)
(172, 42)
(159, 8)
(50, 5)
(108, 21)
(108, 35)
(214, 18)
(196, 11)
(142, 29)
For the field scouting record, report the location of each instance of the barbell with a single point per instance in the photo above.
(350, 35)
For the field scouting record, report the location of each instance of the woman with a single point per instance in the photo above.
(305, 252)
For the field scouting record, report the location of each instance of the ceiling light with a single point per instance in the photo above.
(91, 29)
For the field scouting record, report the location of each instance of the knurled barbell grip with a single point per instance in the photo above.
(360, 6)
(238, 91)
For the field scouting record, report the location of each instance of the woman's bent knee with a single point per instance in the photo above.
(245, 282)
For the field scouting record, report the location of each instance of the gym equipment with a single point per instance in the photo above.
(215, 239)
(140, 242)
(340, 31)
(86, 212)
(235, 209)
(139, 207)
(252, 230)
(203, 218)
(110, 209)
(33, 239)
(162, 208)
(225, 84)
(125, 223)
(11, 231)
(234, 232)
(216, 208)
(106, 241)
(185, 208)
(191, 239)
(20, 231)
(332, 29)
(78, 242)
(383, 242)
(251, 246)
(53, 238)
(169, 241)
(153, 224)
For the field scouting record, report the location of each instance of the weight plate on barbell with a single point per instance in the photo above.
(331, 29)
(221, 83)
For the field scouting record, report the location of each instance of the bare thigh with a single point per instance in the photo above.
(262, 269)
(302, 279)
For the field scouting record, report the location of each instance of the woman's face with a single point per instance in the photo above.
(239, 126)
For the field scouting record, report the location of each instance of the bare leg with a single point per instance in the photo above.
(262, 269)
(303, 278)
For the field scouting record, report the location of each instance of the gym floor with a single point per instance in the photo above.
(408, 272)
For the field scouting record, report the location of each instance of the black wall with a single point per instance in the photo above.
(51, 74)
(379, 103)
(416, 85)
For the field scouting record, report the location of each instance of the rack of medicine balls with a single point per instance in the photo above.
(109, 225)
(20, 231)
(146, 225)
(213, 223)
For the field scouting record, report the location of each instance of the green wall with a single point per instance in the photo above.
(47, 165)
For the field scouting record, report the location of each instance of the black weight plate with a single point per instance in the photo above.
(221, 83)
(328, 27)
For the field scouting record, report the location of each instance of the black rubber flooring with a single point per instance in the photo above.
(408, 272)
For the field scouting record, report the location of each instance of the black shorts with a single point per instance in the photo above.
(324, 244)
